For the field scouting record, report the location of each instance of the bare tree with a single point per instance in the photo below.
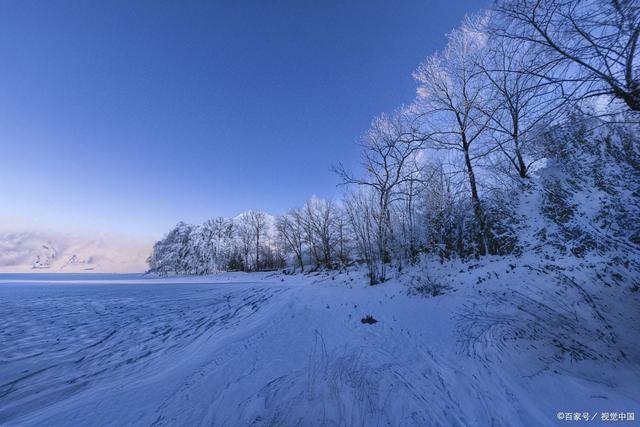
(245, 241)
(598, 39)
(319, 219)
(257, 222)
(252, 230)
(388, 151)
(360, 208)
(521, 100)
(342, 236)
(407, 239)
(290, 228)
(451, 101)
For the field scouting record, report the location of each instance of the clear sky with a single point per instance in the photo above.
(127, 116)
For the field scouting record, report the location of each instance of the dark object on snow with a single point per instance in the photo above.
(369, 320)
(425, 286)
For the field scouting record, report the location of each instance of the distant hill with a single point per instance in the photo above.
(33, 251)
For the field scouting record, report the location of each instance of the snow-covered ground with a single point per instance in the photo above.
(504, 345)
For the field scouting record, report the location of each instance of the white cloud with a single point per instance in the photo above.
(46, 251)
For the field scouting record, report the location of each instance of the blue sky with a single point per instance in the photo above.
(127, 116)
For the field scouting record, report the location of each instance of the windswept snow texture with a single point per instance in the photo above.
(274, 350)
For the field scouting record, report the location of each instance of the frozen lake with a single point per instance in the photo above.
(64, 336)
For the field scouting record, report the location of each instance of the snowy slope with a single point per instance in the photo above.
(501, 346)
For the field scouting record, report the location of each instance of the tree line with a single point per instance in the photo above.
(437, 174)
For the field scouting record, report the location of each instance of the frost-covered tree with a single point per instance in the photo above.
(520, 100)
(176, 252)
(452, 105)
(343, 237)
(592, 45)
(217, 243)
(253, 229)
(389, 150)
(319, 219)
(360, 208)
(290, 228)
(257, 221)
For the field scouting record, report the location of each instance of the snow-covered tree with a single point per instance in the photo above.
(452, 105)
(176, 252)
(521, 101)
(291, 232)
(389, 150)
(592, 45)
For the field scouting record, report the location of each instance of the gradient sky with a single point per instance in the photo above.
(127, 116)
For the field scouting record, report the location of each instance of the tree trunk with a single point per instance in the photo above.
(258, 251)
(521, 165)
(631, 97)
(477, 205)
